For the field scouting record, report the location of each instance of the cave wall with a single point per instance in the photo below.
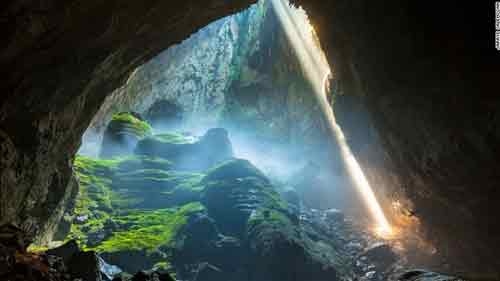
(59, 61)
(425, 75)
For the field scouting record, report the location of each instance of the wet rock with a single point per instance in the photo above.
(133, 260)
(277, 257)
(208, 272)
(108, 271)
(233, 191)
(381, 255)
(423, 275)
(65, 251)
(334, 216)
(147, 276)
(234, 169)
(85, 265)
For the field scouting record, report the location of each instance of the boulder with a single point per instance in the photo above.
(232, 192)
(65, 251)
(122, 134)
(13, 237)
(278, 256)
(86, 266)
(164, 114)
(381, 255)
(7, 259)
(212, 148)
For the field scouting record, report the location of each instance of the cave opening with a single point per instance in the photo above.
(238, 154)
(224, 143)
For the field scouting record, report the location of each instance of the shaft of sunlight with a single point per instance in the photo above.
(300, 34)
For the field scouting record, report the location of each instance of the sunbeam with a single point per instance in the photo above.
(315, 66)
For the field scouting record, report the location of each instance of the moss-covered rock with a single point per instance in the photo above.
(234, 190)
(123, 197)
(212, 148)
(122, 134)
(140, 212)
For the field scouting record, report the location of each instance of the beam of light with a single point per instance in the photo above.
(314, 65)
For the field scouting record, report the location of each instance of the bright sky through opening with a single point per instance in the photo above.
(300, 33)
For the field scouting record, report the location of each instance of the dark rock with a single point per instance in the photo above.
(7, 259)
(381, 255)
(164, 114)
(233, 191)
(85, 265)
(208, 272)
(13, 237)
(66, 251)
(277, 255)
(215, 146)
(423, 275)
(149, 276)
(199, 238)
(334, 216)
(133, 260)
(234, 169)
(143, 276)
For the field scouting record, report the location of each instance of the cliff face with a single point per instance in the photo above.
(231, 73)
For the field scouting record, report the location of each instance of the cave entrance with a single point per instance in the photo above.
(216, 159)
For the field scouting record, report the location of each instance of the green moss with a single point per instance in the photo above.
(233, 169)
(37, 249)
(95, 166)
(127, 120)
(150, 229)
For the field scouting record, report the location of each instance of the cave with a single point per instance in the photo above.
(249, 140)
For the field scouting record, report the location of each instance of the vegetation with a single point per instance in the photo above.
(148, 230)
(232, 169)
(173, 138)
(129, 121)
(112, 203)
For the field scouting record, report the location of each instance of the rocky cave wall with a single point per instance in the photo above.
(424, 74)
(424, 71)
